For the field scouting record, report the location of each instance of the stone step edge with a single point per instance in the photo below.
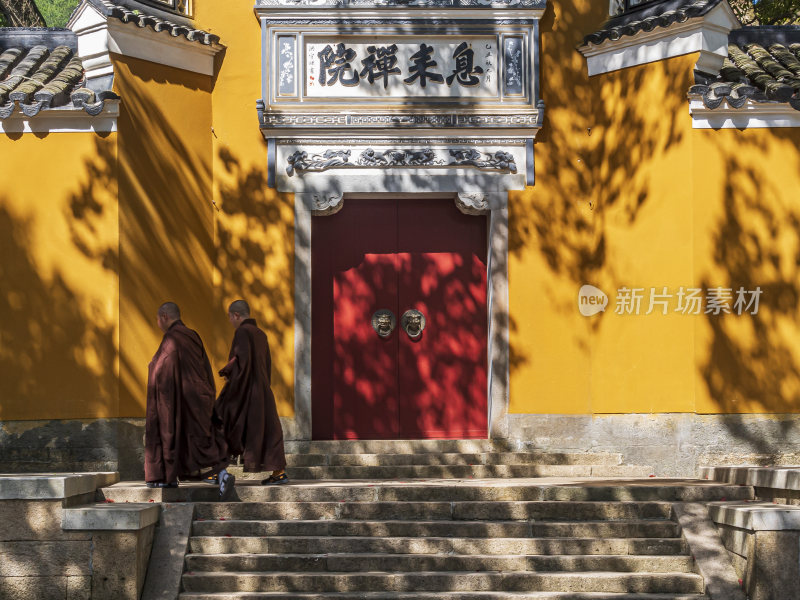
(551, 459)
(429, 538)
(550, 574)
(640, 557)
(489, 595)
(438, 521)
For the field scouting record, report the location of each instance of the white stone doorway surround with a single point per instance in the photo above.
(308, 206)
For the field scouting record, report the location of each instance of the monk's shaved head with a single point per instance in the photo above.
(239, 307)
(170, 310)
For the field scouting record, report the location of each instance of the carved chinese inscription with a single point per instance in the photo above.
(335, 65)
(442, 67)
(421, 63)
(380, 63)
(465, 73)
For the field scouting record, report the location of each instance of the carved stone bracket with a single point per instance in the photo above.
(480, 203)
(325, 204)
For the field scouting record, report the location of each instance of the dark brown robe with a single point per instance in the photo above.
(180, 439)
(246, 404)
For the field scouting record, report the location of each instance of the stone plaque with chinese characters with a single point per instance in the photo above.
(366, 68)
(444, 89)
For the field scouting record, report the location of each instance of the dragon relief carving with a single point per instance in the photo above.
(500, 161)
(300, 161)
(398, 158)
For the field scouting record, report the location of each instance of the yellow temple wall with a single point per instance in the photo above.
(254, 244)
(167, 212)
(627, 194)
(59, 243)
(175, 206)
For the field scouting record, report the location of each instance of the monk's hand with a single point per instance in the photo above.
(227, 369)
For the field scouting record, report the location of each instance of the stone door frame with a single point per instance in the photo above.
(492, 204)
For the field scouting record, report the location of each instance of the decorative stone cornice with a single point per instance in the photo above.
(64, 120)
(706, 34)
(752, 115)
(100, 34)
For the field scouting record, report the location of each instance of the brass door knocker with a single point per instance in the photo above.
(413, 322)
(384, 322)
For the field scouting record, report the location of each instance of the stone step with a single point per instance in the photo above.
(455, 471)
(490, 511)
(680, 583)
(475, 529)
(434, 545)
(232, 563)
(436, 596)
(397, 446)
(572, 490)
(453, 458)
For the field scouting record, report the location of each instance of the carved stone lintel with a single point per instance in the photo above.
(473, 203)
(325, 204)
(302, 162)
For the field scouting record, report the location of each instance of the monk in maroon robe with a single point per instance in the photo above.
(246, 404)
(180, 439)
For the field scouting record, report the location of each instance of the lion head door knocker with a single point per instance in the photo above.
(383, 322)
(413, 321)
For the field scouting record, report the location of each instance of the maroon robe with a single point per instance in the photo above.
(180, 439)
(246, 404)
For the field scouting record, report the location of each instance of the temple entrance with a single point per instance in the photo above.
(399, 321)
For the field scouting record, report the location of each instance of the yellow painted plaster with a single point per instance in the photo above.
(166, 212)
(254, 241)
(59, 242)
(99, 230)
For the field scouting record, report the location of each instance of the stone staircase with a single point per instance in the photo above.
(441, 459)
(464, 527)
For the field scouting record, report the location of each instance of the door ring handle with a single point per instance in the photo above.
(413, 322)
(384, 322)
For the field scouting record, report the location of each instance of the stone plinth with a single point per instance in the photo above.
(763, 539)
(56, 543)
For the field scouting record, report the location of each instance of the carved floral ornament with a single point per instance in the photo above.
(301, 161)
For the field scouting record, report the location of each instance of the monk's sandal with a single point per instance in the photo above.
(226, 484)
(279, 480)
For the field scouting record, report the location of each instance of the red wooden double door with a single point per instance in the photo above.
(399, 255)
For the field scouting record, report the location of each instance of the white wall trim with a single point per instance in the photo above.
(158, 47)
(91, 27)
(63, 120)
(753, 115)
(707, 35)
(99, 35)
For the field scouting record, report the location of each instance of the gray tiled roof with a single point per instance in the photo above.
(763, 65)
(43, 74)
(649, 16)
(143, 18)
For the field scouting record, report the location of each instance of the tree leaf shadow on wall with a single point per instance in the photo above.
(46, 330)
(254, 257)
(751, 361)
(596, 154)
